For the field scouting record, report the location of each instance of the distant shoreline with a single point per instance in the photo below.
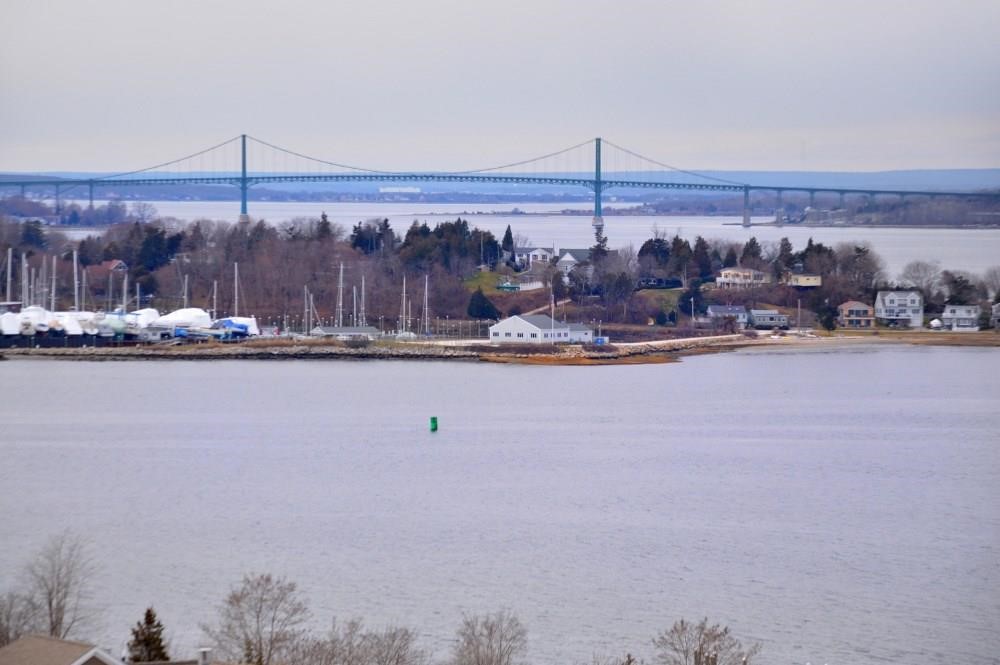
(654, 352)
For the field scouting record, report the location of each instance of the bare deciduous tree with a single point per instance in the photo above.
(493, 639)
(991, 280)
(924, 276)
(679, 644)
(58, 585)
(351, 644)
(260, 620)
(18, 617)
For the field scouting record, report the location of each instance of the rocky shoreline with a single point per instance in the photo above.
(659, 351)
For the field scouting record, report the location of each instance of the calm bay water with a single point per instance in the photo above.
(839, 507)
(959, 249)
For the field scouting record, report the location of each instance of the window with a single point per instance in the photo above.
(496, 334)
(520, 334)
(534, 335)
(506, 334)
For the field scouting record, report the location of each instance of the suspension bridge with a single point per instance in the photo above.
(597, 165)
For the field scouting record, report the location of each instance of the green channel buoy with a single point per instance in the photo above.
(434, 423)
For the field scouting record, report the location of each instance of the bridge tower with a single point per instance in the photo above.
(598, 212)
(244, 217)
(746, 206)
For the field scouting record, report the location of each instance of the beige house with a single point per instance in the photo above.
(855, 314)
(38, 650)
(741, 278)
(803, 281)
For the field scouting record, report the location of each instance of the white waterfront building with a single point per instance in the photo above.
(538, 329)
(961, 317)
(904, 308)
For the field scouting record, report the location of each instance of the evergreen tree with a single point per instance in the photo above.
(507, 244)
(480, 307)
(702, 258)
(324, 229)
(600, 249)
(693, 291)
(730, 260)
(751, 251)
(147, 644)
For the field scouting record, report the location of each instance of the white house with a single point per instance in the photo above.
(571, 258)
(718, 314)
(900, 308)
(996, 316)
(537, 329)
(741, 278)
(525, 256)
(961, 317)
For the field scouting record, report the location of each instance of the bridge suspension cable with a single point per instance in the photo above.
(171, 162)
(317, 159)
(524, 162)
(671, 168)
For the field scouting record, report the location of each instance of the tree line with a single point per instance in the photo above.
(266, 620)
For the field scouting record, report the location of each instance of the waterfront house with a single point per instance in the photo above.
(961, 318)
(900, 308)
(768, 318)
(718, 314)
(741, 278)
(855, 314)
(537, 329)
(995, 317)
(526, 256)
(38, 650)
(571, 258)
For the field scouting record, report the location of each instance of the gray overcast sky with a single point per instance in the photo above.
(845, 84)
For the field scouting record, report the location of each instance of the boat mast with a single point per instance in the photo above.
(215, 297)
(236, 289)
(10, 259)
(76, 280)
(364, 321)
(427, 317)
(354, 305)
(83, 289)
(402, 308)
(339, 322)
(24, 279)
(52, 300)
(125, 293)
(185, 299)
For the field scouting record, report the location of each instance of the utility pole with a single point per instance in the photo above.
(185, 300)
(24, 279)
(215, 298)
(236, 278)
(124, 293)
(427, 317)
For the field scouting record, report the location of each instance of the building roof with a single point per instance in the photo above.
(854, 304)
(528, 250)
(901, 294)
(542, 321)
(765, 312)
(578, 255)
(39, 650)
(579, 327)
(726, 310)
